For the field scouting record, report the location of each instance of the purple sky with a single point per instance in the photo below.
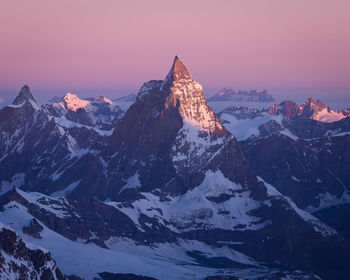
(111, 47)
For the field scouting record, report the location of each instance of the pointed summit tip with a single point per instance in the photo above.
(24, 95)
(25, 89)
(177, 64)
(177, 58)
(178, 71)
(312, 99)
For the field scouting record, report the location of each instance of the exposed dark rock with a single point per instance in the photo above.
(336, 216)
(218, 199)
(302, 169)
(123, 276)
(221, 277)
(98, 242)
(33, 229)
(74, 277)
(287, 108)
(25, 263)
(217, 262)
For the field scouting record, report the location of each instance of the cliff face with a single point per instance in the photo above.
(167, 139)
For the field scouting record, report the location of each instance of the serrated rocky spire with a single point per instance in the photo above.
(183, 91)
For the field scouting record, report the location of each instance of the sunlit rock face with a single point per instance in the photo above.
(168, 139)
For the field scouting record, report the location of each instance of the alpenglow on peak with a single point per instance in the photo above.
(178, 71)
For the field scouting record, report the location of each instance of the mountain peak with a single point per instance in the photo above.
(178, 71)
(311, 100)
(313, 104)
(180, 91)
(72, 102)
(24, 95)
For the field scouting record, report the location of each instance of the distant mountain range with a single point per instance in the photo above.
(127, 98)
(171, 190)
(242, 95)
(312, 109)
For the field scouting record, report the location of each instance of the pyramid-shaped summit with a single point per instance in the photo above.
(169, 134)
(178, 71)
(181, 93)
(24, 95)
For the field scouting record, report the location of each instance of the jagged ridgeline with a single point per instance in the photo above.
(166, 179)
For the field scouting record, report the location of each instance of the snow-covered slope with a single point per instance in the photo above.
(328, 115)
(124, 255)
(185, 258)
(21, 260)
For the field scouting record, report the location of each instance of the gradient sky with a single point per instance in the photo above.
(112, 47)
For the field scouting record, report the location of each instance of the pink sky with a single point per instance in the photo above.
(111, 46)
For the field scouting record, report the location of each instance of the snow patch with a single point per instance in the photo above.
(327, 200)
(66, 190)
(328, 115)
(132, 183)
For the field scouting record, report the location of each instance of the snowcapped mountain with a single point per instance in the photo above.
(98, 112)
(227, 94)
(36, 149)
(171, 129)
(311, 109)
(168, 188)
